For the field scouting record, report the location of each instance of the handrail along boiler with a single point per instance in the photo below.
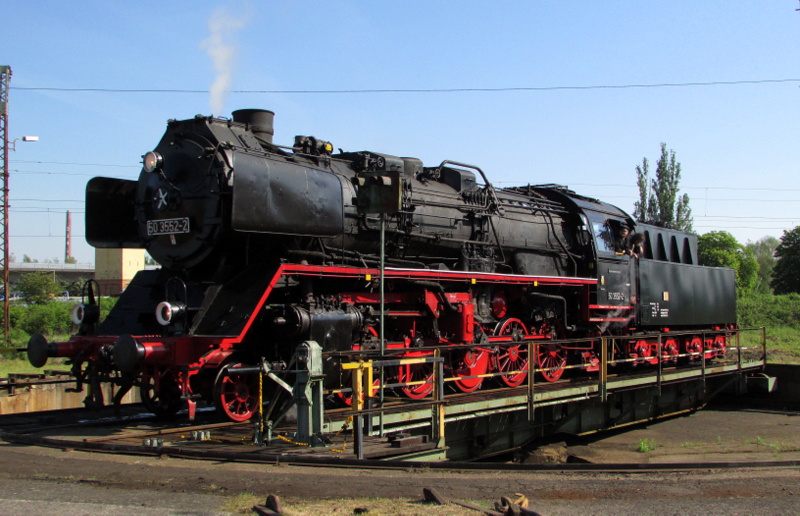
(264, 247)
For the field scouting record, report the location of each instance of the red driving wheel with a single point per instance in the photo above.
(511, 360)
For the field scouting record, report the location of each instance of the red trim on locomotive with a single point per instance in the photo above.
(177, 360)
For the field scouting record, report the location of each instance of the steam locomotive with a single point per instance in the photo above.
(264, 248)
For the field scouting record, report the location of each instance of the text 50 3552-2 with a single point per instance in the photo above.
(168, 226)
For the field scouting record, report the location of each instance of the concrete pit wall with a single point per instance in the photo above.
(52, 396)
(787, 386)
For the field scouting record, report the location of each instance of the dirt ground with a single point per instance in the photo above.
(35, 480)
(711, 435)
(99, 484)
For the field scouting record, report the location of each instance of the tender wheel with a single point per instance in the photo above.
(512, 360)
(670, 350)
(416, 373)
(640, 352)
(694, 348)
(236, 395)
(720, 346)
(160, 393)
(467, 364)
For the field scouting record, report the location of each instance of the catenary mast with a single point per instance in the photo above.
(5, 77)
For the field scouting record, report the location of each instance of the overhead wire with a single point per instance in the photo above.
(594, 185)
(419, 90)
(71, 163)
(426, 90)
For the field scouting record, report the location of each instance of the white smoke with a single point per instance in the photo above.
(221, 48)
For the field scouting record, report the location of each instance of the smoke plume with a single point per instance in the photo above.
(221, 48)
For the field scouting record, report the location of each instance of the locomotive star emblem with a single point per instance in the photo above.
(161, 199)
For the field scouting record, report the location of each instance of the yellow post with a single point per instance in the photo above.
(358, 386)
(366, 389)
(438, 395)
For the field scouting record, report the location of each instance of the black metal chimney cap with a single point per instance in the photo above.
(259, 120)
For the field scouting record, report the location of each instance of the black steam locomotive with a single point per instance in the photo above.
(265, 247)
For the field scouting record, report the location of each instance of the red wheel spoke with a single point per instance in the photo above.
(236, 395)
(468, 364)
(411, 373)
(512, 360)
(551, 361)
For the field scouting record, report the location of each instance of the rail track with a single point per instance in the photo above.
(137, 432)
(26, 380)
(228, 442)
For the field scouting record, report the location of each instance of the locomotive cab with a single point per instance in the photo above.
(615, 298)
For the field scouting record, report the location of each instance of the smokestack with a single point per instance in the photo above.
(259, 120)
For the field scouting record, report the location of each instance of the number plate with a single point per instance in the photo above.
(167, 226)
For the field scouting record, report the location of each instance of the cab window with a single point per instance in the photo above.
(603, 237)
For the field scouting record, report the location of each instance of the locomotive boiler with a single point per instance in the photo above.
(265, 248)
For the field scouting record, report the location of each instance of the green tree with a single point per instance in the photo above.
(786, 274)
(721, 249)
(38, 287)
(763, 250)
(70, 259)
(75, 288)
(659, 202)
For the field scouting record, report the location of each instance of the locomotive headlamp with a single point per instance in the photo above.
(152, 161)
(78, 312)
(88, 314)
(166, 312)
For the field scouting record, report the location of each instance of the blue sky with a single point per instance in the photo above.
(737, 143)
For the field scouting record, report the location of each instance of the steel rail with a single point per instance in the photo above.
(255, 455)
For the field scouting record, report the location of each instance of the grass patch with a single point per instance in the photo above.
(19, 364)
(691, 444)
(12, 361)
(776, 447)
(783, 345)
(647, 445)
(758, 440)
(241, 503)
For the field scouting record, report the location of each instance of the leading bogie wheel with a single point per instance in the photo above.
(160, 393)
(236, 395)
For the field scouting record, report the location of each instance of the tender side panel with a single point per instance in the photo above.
(674, 294)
